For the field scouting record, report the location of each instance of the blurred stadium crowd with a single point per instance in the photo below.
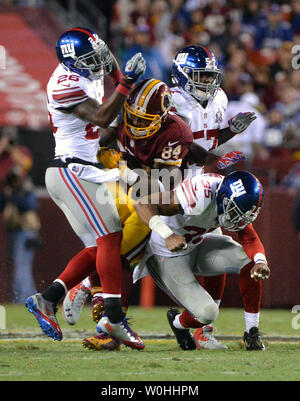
(255, 43)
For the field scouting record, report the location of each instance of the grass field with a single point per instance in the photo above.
(25, 355)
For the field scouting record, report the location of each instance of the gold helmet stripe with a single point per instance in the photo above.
(145, 91)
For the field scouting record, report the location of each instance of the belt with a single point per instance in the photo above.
(59, 163)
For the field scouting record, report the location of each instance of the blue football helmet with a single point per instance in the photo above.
(239, 199)
(190, 65)
(82, 51)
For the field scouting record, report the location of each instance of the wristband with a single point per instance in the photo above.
(116, 76)
(260, 258)
(157, 225)
(127, 175)
(124, 87)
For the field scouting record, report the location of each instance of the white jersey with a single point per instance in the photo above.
(205, 123)
(196, 197)
(73, 137)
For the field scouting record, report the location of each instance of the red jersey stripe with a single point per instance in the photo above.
(68, 95)
(75, 99)
(66, 89)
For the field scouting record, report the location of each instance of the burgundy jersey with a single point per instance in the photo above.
(168, 146)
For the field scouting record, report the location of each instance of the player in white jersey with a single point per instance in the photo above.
(181, 245)
(201, 102)
(77, 183)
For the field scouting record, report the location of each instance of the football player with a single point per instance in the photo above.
(77, 112)
(183, 244)
(200, 101)
(155, 138)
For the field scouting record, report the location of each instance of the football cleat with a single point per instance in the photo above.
(120, 332)
(97, 308)
(101, 342)
(184, 337)
(253, 340)
(205, 339)
(44, 311)
(74, 302)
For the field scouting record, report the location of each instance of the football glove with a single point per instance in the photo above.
(230, 159)
(241, 121)
(135, 68)
(110, 158)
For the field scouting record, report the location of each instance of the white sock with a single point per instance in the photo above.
(217, 301)
(176, 322)
(86, 282)
(251, 320)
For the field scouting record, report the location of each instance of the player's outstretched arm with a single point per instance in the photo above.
(197, 154)
(236, 125)
(201, 156)
(102, 115)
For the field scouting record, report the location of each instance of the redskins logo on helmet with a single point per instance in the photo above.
(146, 108)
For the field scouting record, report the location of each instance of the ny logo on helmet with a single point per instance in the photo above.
(237, 189)
(68, 50)
(181, 57)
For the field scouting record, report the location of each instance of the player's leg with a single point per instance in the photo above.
(175, 277)
(135, 238)
(215, 286)
(105, 220)
(43, 306)
(204, 336)
(231, 258)
(251, 292)
(91, 212)
(75, 298)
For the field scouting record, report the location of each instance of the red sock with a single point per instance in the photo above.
(94, 278)
(79, 267)
(251, 291)
(127, 283)
(186, 319)
(214, 285)
(108, 263)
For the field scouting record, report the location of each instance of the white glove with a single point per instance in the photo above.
(135, 68)
(241, 121)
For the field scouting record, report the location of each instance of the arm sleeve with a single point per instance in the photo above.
(251, 242)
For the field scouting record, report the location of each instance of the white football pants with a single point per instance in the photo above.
(89, 207)
(217, 254)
